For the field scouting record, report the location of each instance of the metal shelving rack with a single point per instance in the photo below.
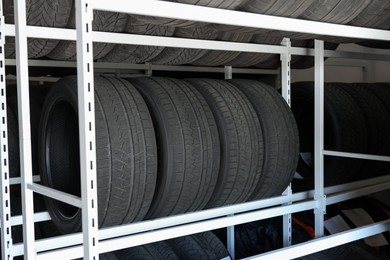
(93, 241)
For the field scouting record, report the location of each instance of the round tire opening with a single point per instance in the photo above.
(62, 153)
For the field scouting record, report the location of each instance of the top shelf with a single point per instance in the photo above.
(237, 18)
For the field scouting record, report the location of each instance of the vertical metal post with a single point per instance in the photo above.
(24, 127)
(86, 106)
(149, 70)
(231, 236)
(286, 93)
(286, 70)
(319, 94)
(228, 72)
(6, 236)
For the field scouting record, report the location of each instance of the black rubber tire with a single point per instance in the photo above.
(375, 15)
(13, 128)
(334, 11)
(280, 135)
(189, 150)
(218, 58)
(211, 243)
(189, 248)
(47, 13)
(13, 138)
(283, 8)
(155, 251)
(103, 21)
(181, 56)
(138, 53)
(241, 141)
(108, 256)
(331, 11)
(248, 59)
(277, 7)
(344, 131)
(125, 148)
(223, 4)
(378, 127)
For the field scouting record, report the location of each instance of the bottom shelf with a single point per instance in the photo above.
(119, 237)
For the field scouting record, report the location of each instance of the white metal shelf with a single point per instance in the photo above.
(93, 241)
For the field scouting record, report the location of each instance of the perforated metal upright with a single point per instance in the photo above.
(285, 59)
(6, 233)
(86, 106)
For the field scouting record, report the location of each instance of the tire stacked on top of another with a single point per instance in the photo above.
(181, 56)
(375, 116)
(188, 145)
(205, 143)
(345, 131)
(241, 141)
(103, 21)
(138, 53)
(280, 135)
(125, 148)
(356, 120)
(45, 13)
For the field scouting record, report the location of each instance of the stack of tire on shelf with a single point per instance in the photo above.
(37, 94)
(266, 235)
(167, 146)
(61, 14)
(356, 120)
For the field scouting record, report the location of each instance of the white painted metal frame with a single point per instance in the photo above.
(319, 94)
(24, 127)
(86, 107)
(150, 231)
(285, 59)
(5, 214)
(134, 234)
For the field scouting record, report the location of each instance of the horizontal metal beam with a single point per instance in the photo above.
(324, 243)
(55, 194)
(121, 38)
(341, 54)
(168, 233)
(334, 193)
(358, 156)
(18, 180)
(149, 40)
(369, 189)
(40, 32)
(38, 217)
(220, 16)
(126, 66)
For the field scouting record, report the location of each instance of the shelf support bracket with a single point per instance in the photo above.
(6, 236)
(86, 105)
(319, 94)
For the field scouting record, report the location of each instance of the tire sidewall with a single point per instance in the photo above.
(64, 91)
